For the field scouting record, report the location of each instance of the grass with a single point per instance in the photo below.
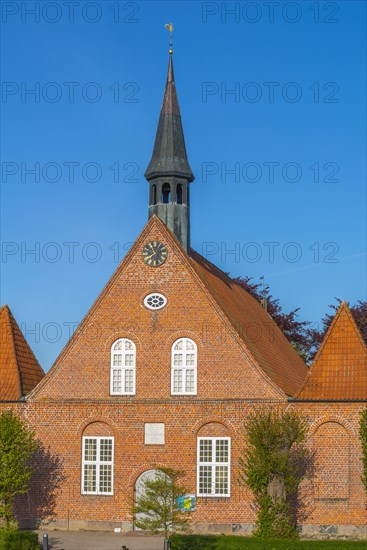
(223, 542)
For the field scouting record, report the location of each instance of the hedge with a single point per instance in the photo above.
(222, 542)
(199, 542)
(18, 540)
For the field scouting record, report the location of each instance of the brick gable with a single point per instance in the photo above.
(227, 367)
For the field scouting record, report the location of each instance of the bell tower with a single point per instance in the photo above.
(169, 173)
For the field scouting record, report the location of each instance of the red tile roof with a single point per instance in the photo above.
(339, 370)
(20, 371)
(263, 338)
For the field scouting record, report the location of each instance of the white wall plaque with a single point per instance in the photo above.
(154, 433)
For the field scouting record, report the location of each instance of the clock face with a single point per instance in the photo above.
(155, 253)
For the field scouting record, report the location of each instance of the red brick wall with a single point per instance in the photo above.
(336, 494)
(62, 425)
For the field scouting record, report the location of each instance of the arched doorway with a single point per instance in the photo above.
(139, 488)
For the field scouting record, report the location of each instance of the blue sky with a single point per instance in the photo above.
(273, 105)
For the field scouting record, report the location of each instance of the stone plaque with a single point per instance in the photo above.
(154, 433)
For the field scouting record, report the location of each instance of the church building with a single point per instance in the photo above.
(164, 369)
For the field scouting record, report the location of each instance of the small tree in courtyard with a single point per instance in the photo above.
(363, 437)
(155, 508)
(17, 445)
(272, 465)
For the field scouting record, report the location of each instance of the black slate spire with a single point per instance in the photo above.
(169, 154)
(169, 173)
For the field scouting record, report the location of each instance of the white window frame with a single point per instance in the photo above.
(155, 294)
(122, 369)
(97, 463)
(213, 464)
(183, 367)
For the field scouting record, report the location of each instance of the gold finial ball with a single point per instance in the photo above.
(170, 52)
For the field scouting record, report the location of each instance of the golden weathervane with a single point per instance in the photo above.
(169, 27)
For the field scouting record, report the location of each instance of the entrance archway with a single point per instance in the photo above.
(139, 489)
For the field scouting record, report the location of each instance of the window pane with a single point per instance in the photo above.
(116, 381)
(205, 480)
(205, 454)
(89, 478)
(189, 345)
(221, 454)
(179, 345)
(129, 360)
(90, 449)
(128, 345)
(177, 380)
(118, 345)
(105, 450)
(177, 360)
(117, 360)
(129, 380)
(190, 360)
(190, 381)
(105, 478)
(221, 480)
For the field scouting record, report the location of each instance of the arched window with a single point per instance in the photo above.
(123, 357)
(166, 193)
(179, 193)
(154, 195)
(184, 367)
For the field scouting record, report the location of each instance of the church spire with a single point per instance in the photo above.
(169, 173)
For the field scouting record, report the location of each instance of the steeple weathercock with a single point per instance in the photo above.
(169, 27)
(169, 173)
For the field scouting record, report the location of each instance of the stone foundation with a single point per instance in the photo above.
(316, 532)
(320, 532)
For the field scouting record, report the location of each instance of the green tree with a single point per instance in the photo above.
(156, 508)
(363, 437)
(17, 445)
(272, 465)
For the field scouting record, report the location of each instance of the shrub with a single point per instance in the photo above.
(17, 446)
(272, 465)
